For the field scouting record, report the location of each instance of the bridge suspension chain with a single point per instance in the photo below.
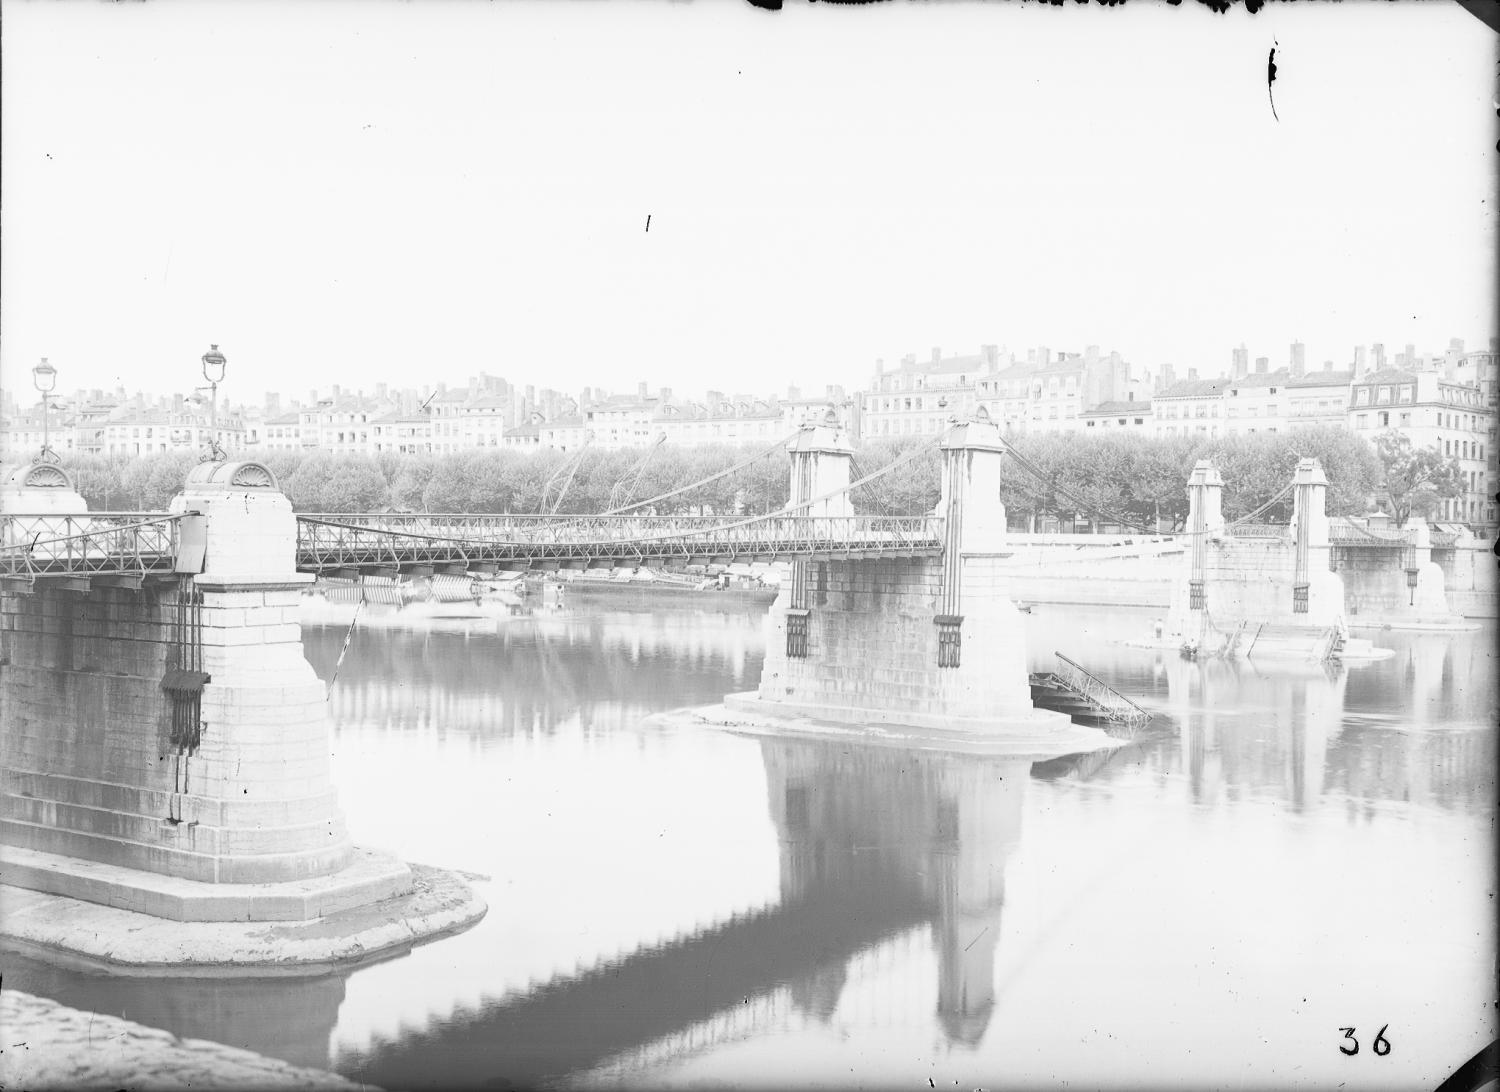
(777, 446)
(1110, 517)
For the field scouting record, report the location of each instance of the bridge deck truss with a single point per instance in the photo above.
(521, 542)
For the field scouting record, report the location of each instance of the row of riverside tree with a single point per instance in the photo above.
(1120, 480)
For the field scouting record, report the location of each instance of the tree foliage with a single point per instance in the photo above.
(1412, 479)
(1107, 480)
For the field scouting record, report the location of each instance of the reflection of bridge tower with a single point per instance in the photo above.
(1275, 736)
(885, 825)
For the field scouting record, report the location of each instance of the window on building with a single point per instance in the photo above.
(1405, 419)
(1362, 420)
(1406, 394)
(1385, 420)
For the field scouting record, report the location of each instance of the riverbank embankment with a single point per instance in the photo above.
(1084, 570)
(49, 1046)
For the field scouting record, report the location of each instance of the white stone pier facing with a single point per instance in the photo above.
(167, 751)
(929, 643)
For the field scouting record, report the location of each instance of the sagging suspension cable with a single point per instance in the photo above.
(874, 494)
(1084, 506)
(706, 481)
(792, 510)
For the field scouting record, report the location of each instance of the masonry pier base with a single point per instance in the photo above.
(916, 651)
(166, 795)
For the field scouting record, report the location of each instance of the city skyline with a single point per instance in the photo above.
(810, 388)
(361, 200)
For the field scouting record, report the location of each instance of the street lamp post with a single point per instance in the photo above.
(213, 371)
(44, 375)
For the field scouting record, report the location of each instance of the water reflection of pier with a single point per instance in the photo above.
(553, 668)
(288, 1018)
(1302, 732)
(878, 846)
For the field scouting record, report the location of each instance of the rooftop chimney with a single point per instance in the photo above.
(1192, 373)
(937, 354)
(879, 365)
(1262, 364)
(641, 391)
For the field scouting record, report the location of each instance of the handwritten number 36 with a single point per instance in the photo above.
(1382, 1045)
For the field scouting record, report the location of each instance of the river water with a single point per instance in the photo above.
(1283, 854)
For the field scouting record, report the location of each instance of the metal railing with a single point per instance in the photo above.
(95, 544)
(1344, 533)
(1259, 530)
(1103, 697)
(361, 540)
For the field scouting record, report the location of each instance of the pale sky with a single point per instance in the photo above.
(350, 192)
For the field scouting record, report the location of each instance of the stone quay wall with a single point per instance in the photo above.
(1470, 577)
(872, 642)
(1375, 586)
(1374, 581)
(1074, 576)
(88, 766)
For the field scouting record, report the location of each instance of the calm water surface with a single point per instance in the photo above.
(1283, 854)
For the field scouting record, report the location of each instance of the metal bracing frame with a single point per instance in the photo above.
(136, 544)
(403, 541)
(112, 544)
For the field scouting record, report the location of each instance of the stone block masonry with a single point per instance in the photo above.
(166, 796)
(872, 647)
(88, 766)
(226, 779)
(930, 643)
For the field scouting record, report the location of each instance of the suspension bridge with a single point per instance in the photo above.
(162, 719)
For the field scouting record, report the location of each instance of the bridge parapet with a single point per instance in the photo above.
(511, 542)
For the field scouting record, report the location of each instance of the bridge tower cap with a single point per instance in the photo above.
(1310, 472)
(1205, 473)
(34, 475)
(813, 436)
(980, 433)
(213, 477)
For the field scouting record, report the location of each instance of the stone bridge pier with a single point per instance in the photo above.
(1274, 580)
(924, 642)
(166, 746)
